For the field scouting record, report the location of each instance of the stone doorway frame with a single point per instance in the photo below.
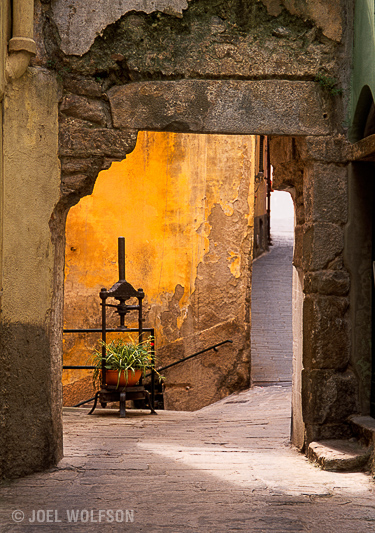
(307, 154)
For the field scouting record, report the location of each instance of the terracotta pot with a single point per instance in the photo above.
(111, 377)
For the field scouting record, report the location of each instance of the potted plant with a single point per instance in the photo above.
(125, 362)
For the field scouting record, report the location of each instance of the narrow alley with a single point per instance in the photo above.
(271, 300)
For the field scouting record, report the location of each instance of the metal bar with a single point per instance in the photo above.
(104, 335)
(121, 258)
(140, 319)
(191, 356)
(84, 401)
(99, 330)
(153, 369)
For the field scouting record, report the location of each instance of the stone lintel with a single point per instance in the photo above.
(273, 107)
(363, 150)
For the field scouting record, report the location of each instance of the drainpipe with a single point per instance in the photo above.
(22, 45)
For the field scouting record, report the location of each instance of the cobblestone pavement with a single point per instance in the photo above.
(271, 309)
(228, 467)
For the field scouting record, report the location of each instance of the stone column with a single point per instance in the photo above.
(30, 385)
(325, 387)
(329, 386)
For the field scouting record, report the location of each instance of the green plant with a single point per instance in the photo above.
(124, 357)
(328, 84)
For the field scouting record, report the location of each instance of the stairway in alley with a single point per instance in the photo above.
(271, 300)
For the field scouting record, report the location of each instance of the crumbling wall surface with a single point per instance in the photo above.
(327, 16)
(96, 15)
(199, 62)
(185, 206)
(203, 38)
(317, 169)
(30, 410)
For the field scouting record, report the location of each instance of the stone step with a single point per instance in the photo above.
(340, 455)
(363, 428)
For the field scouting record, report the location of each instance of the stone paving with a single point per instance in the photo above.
(271, 308)
(228, 467)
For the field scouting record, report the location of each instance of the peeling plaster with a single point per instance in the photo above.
(235, 264)
(324, 13)
(80, 22)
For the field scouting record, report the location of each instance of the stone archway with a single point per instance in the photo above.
(266, 67)
(307, 156)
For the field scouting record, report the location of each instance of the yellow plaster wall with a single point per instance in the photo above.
(161, 198)
(31, 191)
(31, 422)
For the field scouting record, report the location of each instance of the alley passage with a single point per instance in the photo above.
(228, 467)
(271, 300)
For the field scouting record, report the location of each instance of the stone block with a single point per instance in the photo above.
(240, 107)
(298, 246)
(79, 140)
(327, 282)
(85, 108)
(326, 193)
(322, 243)
(74, 183)
(328, 396)
(327, 431)
(362, 150)
(81, 85)
(332, 149)
(339, 455)
(325, 332)
(75, 165)
(326, 15)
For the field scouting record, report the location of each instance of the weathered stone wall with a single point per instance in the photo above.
(176, 40)
(317, 170)
(185, 204)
